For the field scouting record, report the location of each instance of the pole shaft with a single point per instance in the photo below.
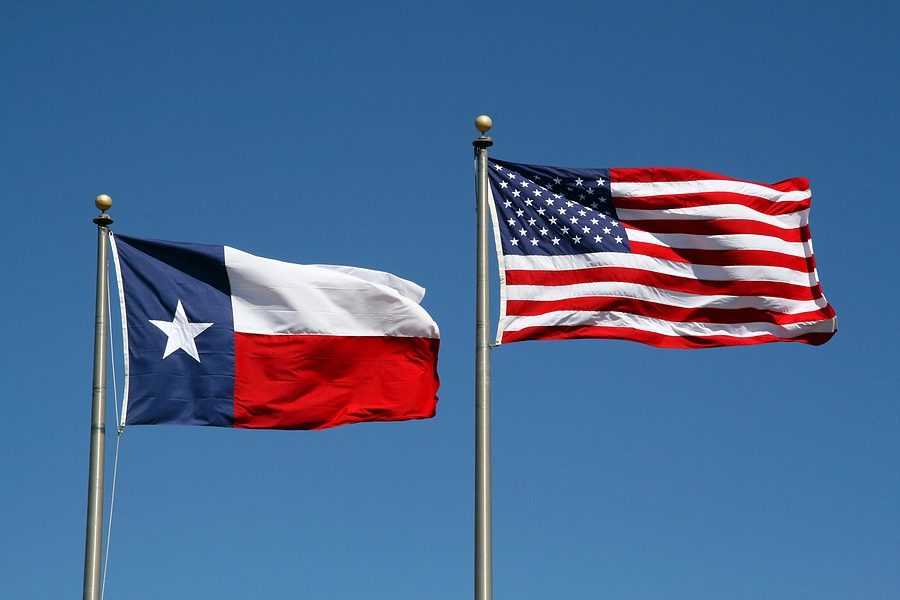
(483, 551)
(94, 536)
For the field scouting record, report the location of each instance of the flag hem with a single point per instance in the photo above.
(121, 290)
(501, 267)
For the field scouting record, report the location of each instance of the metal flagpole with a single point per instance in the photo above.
(483, 567)
(94, 535)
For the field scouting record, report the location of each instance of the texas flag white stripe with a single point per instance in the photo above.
(272, 297)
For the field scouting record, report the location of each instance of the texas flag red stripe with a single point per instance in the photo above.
(319, 381)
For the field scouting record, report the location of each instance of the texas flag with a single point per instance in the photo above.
(216, 336)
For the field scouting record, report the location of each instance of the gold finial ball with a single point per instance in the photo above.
(103, 202)
(483, 123)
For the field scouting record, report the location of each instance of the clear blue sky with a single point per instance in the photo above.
(341, 133)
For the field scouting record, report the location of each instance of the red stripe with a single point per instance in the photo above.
(751, 258)
(318, 381)
(662, 281)
(720, 227)
(654, 339)
(665, 312)
(651, 174)
(665, 201)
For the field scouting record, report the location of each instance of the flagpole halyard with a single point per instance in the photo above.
(94, 530)
(483, 542)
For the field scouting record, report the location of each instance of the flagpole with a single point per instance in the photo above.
(94, 535)
(483, 566)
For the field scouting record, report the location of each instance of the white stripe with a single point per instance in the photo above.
(716, 211)
(662, 296)
(404, 287)
(571, 262)
(733, 241)
(622, 189)
(274, 297)
(123, 314)
(669, 328)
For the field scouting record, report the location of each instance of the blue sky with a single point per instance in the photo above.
(341, 133)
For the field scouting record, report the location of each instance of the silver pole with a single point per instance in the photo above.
(483, 566)
(94, 536)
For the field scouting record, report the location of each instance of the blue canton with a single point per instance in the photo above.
(158, 278)
(552, 211)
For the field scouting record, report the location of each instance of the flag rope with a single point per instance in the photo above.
(112, 503)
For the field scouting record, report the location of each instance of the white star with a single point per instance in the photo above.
(607, 230)
(522, 232)
(498, 167)
(519, 212)
(586, 229)
(576, 239)
(516, 193)
(524, 184)
(529, 201)
(618, 240)
(537, 193)
(541, 211)
(534, 242)
(531, 222)
(597, 238)
(557, 180)
(600, 182)
(543, 231)
(555, 241)
(594, 221)
(504, 184)
(181, 333)
(553, 220)
(514, 242)
(613, 223)
(511, 222)
(579, 181)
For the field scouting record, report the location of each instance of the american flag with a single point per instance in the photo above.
(674, 258)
